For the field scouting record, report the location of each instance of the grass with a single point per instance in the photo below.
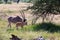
(9, 11)
(29, 32)
(50, 27)
(47, 30)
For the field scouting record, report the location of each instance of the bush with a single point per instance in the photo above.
(1, 2)
(9, 3)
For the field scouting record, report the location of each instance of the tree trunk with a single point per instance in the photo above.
(52, 18)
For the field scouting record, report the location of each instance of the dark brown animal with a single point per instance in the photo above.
(14, 37)
(21, 24)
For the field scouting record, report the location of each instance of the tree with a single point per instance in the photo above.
(5, 1)
(45, 8)
(18, 1)
(1, 1)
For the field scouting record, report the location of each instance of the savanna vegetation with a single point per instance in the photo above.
(40, 8)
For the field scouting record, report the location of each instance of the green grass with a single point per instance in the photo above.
(30, 32)
(47, 30)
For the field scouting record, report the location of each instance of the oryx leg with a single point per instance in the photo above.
(9, 25)
(16, 26)
(21, 26)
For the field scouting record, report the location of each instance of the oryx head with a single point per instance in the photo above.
(24, 20)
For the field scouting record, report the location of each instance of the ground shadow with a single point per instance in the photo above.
(50, 27)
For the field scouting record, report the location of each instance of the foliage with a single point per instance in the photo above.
(5, 1)
(29, 1)
(45, 8)
(1, 2)
(9, 2)
(47, 5)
